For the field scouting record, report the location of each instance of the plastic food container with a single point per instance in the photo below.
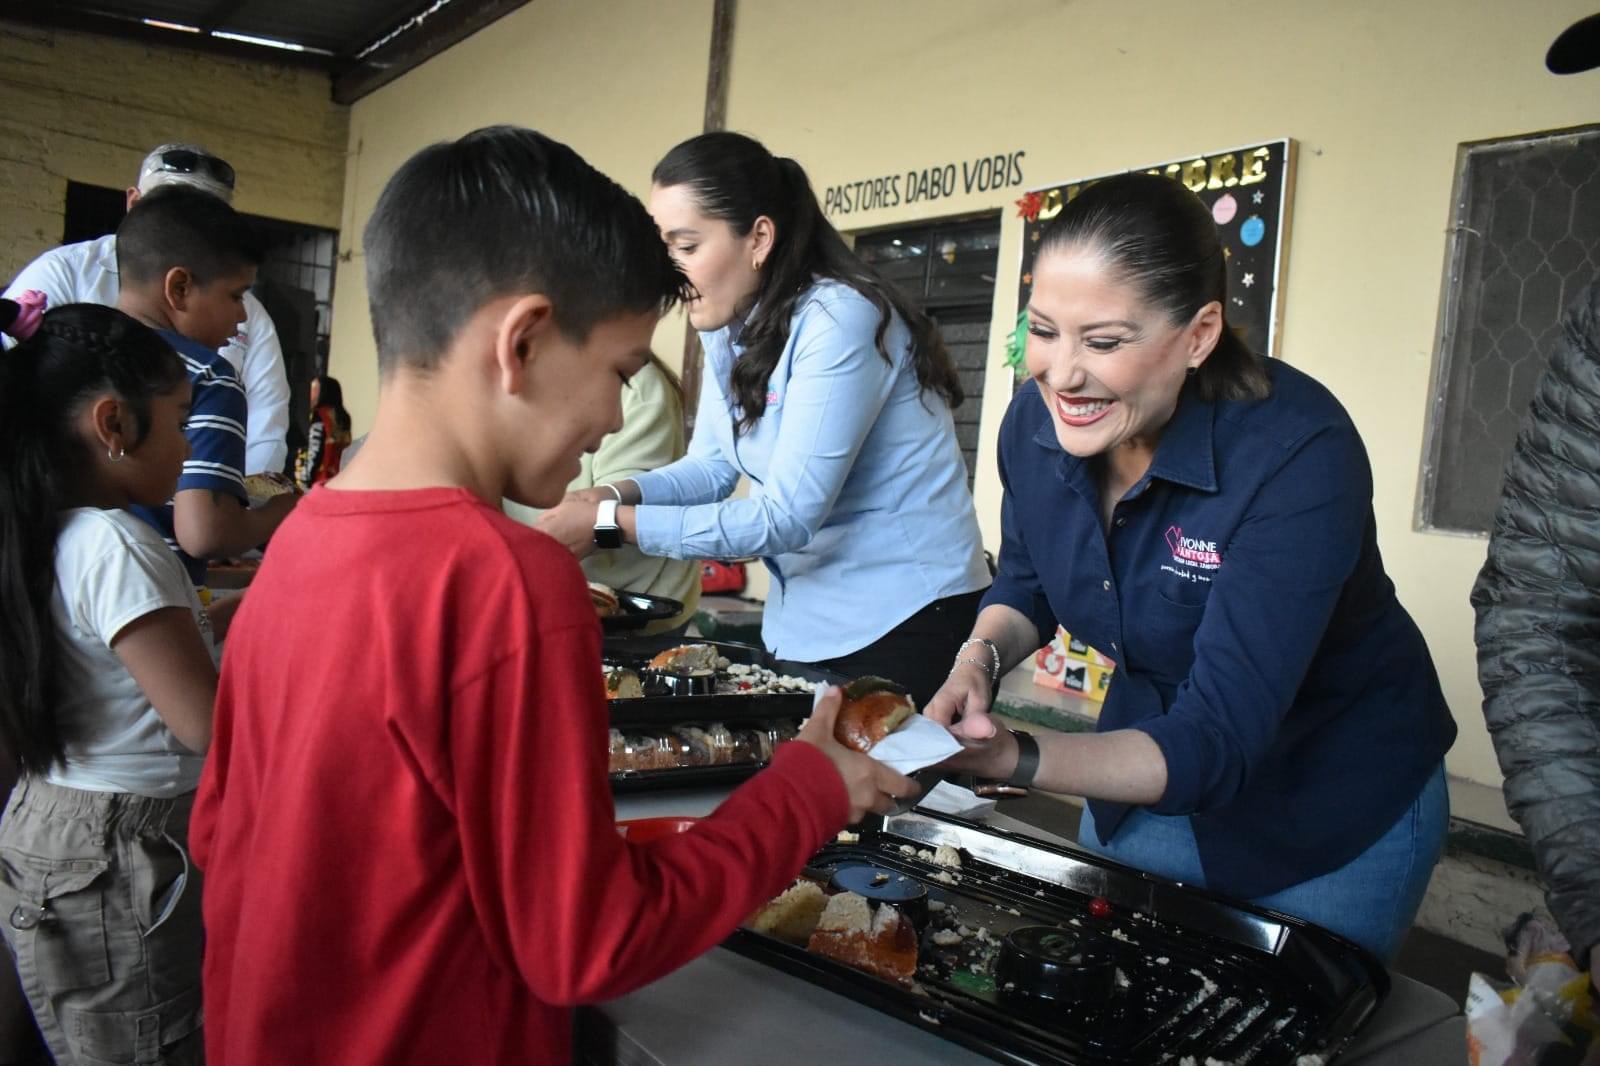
(644, 830)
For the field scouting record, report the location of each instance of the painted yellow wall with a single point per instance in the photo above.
(1378, 94)
(86, 108)
(616, 81)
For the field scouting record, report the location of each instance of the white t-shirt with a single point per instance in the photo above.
(112, 569)
(86, 272)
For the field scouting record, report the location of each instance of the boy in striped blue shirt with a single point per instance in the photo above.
(185, 261)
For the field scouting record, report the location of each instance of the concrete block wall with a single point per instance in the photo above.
(86, 108)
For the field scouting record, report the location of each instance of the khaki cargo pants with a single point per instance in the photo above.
(101, 910)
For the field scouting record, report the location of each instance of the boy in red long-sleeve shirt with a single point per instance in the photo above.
(405, 824)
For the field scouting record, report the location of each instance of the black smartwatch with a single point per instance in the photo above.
(607, 534)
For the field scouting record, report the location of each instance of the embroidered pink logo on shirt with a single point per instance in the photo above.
(1193, 551)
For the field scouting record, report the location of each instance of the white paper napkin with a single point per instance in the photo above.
(947, 798)
(920, 742)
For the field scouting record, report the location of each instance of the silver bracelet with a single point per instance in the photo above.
(994, 655)
(979, 663)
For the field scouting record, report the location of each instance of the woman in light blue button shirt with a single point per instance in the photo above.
(833, 395)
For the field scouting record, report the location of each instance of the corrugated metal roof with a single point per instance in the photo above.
(363, 44)
(339, 28)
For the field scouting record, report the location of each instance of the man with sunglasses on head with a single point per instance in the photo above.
(86, 272)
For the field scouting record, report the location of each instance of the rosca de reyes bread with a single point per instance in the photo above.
(604, 598)
(873, 708)
(263, 487)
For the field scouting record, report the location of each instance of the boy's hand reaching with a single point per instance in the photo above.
(872, 786)
(572, 523)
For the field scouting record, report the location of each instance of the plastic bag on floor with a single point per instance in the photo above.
(1544, 1017)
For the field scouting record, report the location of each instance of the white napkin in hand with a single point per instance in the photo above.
(953, 799)
(920, 742)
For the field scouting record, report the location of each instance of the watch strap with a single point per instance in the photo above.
(1027, 760)
(607, 533)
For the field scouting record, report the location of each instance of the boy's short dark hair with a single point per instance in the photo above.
(504, 211)
(178, 226)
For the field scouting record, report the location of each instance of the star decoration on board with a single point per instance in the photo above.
(1258, 197)
(1227, 253)
(1036, 234)
(1028, 207)
(1249, 280)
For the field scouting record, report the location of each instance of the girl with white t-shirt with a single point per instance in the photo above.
(106, 687)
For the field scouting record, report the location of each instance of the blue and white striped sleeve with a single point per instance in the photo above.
(216, 432)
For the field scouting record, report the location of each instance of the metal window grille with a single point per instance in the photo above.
(1525, 242)
(302, 257)
(948, 269)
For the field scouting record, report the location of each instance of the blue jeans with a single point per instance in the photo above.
(1372, 899)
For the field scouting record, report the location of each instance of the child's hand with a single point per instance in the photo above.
(220, 613)
(872, 785)
(571, 523)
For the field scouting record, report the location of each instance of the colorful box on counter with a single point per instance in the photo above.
(1072, 666)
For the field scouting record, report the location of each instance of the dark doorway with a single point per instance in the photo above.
(947, 268)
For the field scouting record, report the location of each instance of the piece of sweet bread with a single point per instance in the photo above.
(623, 684)
(648, 751)
(686, 659)
(882, 942)
(792, 916)
(872, 709)
(262, 487)
(604, 598)
(711, 745)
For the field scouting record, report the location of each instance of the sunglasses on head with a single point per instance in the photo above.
(183, 161)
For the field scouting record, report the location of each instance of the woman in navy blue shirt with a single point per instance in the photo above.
(1274, 729)
(832, 394)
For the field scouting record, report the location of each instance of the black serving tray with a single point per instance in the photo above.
(637, 610)
(666, 710)
(652, 713)
(682, 777)
(1197, 975)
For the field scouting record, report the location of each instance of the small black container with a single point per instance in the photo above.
(661, 683)
(884, 886)
(1048, 962)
